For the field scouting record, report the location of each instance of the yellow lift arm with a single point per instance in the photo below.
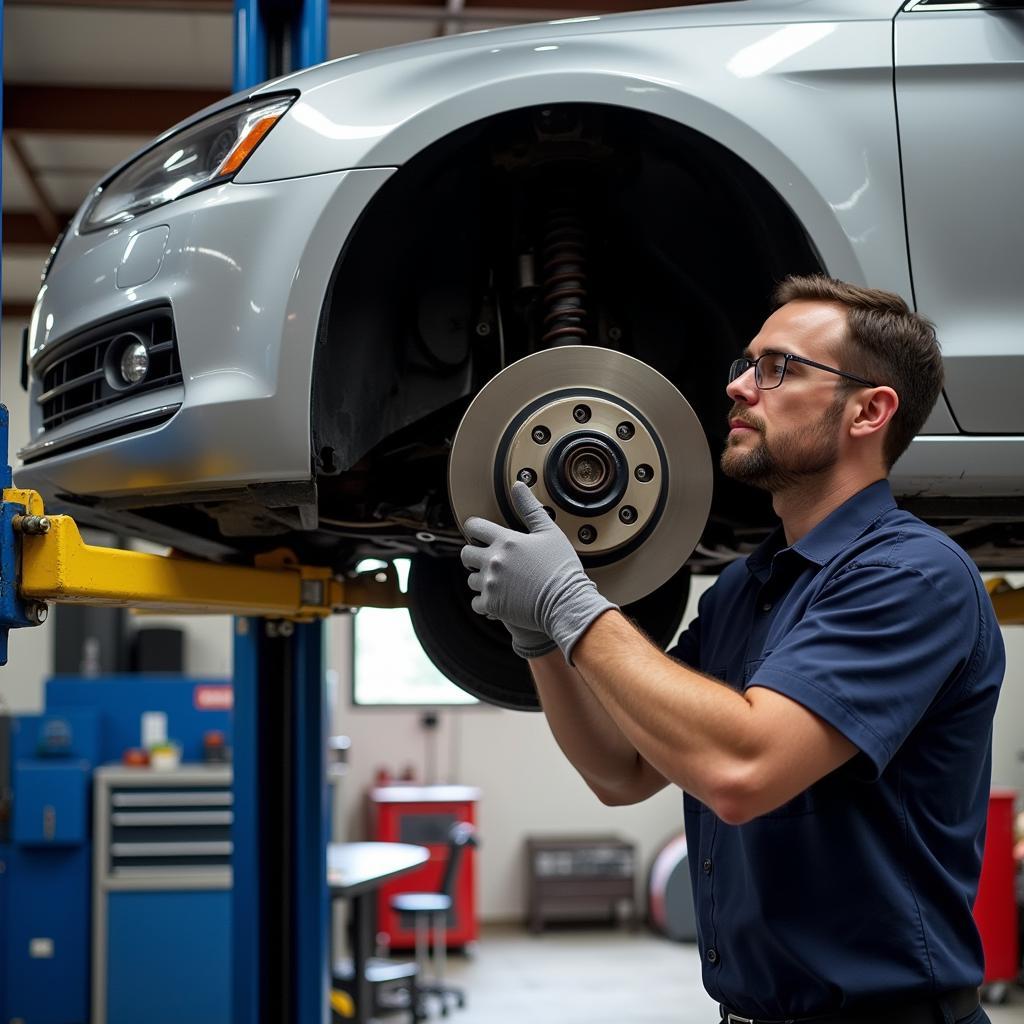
(56, 565)
(1007, 600)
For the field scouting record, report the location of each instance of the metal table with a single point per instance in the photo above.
(354, 872)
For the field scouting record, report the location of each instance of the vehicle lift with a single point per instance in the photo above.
(280, 915)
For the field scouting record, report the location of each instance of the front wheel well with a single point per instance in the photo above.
(445, 280)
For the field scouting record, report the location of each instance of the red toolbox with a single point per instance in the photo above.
(423, 815)
(995, 909)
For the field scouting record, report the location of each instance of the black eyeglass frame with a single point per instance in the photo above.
(741, 365)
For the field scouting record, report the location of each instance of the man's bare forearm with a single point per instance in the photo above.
(741, 753)
(589, 738)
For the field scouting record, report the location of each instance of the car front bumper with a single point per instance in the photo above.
(244, 270)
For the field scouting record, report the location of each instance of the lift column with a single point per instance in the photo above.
(280, 918)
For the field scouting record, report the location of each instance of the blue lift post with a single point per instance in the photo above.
(280, 919)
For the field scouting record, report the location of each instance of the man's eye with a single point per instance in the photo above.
(775, 367)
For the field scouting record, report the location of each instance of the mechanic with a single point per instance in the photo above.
(828, 714)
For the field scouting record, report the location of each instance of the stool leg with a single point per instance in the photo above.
(422, 951)
(440, 949)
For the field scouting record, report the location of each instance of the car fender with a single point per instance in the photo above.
(808, 105)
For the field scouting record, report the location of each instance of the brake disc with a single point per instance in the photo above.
(607, 444)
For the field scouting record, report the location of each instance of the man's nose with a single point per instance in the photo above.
(743, 388)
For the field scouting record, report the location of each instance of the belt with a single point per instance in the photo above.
(960, 1002)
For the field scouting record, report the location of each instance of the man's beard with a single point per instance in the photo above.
(791, 458)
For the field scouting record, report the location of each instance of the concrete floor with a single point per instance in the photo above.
(582, 976)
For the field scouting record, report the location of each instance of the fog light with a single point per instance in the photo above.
(134, 362)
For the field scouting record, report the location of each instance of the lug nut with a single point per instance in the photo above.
(587, 534)
(550, 511)
(581, 413)
(625, 431)
(527, 476)
(643, 473)
(541, 435)
(627, 514)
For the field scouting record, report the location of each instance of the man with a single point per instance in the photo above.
(836, 785)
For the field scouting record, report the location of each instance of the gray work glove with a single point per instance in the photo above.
(531, 581)
(530, 643)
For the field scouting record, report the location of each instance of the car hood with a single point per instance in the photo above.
(411, 65)
(701, 15)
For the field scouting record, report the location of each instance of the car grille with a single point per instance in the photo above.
(84, 374)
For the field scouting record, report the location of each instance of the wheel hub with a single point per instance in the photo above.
(607, 445)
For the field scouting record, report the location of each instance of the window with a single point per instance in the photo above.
(389, 667)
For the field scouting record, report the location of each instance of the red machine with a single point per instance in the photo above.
(423, 815)
(995, 910)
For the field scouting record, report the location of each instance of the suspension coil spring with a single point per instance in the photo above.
(564, 276)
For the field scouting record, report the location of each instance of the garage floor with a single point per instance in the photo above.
(581, 976)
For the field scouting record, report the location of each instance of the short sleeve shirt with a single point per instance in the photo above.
(861, 887)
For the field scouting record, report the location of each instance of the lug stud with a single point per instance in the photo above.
(587, 534)
(527, 476)
(32, 526)
(541, 435)
(625, 431)
(581, 414)
(36, 612)
(627, 514)
(550, 511)
(643, 473)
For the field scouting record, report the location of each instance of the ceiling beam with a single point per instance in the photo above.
(94, 110)
(41, 206)
(25, 231)
(17, 311)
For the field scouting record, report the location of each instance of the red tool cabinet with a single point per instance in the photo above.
(995, 909)
(423, 815)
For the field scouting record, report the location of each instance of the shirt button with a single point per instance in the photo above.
(712, 955)
(707, 866)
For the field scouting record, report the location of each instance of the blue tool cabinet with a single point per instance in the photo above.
(162, 895)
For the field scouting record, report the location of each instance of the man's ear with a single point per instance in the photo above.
(873, 410)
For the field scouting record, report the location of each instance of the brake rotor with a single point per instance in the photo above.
(607, 444)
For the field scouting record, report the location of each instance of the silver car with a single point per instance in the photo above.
(264, 328)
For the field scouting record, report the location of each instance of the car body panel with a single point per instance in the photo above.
(245, 272)
(960, 74)
(756, 89)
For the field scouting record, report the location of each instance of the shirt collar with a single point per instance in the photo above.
(836, 531)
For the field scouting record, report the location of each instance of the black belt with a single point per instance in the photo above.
(959, 1002)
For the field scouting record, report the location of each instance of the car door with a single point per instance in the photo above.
(960, 99)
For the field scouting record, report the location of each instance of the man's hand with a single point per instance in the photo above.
(531, 581)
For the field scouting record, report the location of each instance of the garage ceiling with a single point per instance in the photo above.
(88, 82)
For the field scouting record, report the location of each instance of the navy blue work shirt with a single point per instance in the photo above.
(860, 889)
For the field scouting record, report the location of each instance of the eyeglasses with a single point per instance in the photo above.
(770, 369)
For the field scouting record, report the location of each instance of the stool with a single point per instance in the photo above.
(430, 909)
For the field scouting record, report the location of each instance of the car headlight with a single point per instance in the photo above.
(203, 154)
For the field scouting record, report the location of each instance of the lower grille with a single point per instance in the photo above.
(84, 374)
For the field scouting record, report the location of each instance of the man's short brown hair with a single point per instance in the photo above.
(887, 343)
